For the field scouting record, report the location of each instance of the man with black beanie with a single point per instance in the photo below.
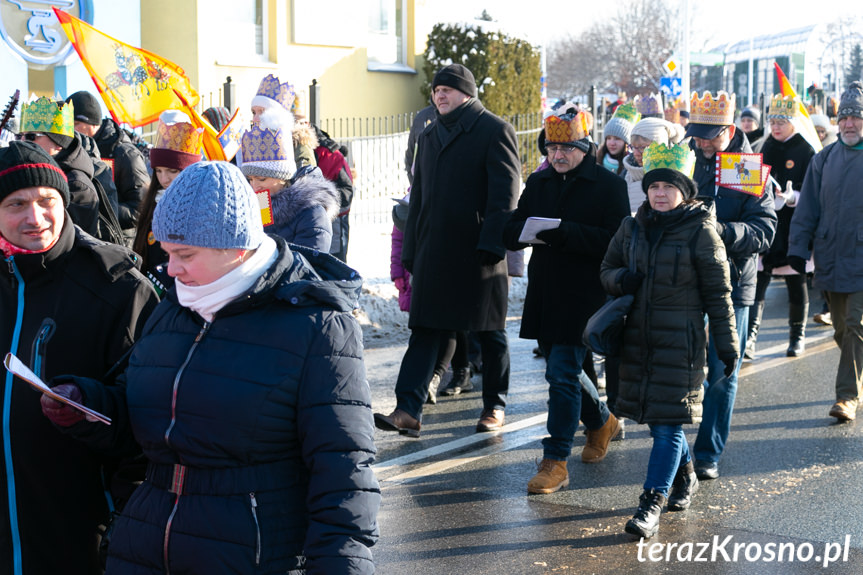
(467, 178)
(73, 305)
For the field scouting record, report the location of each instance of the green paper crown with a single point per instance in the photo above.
(678, 158)
(45, 115)
(627, 112)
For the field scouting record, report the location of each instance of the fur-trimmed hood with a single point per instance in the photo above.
(310, 190)
(304, 135)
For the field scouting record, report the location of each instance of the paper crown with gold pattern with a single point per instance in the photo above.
(679, 158)
(268, 154)
(786, 107)
(275, 91)
(566, 129)
(672, 115)
(649, 106)
(47, 116)
(714, 110)
(178, 144)
(621, 123)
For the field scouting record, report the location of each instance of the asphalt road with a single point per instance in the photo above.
(789, 499)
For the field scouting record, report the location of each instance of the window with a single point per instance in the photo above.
(387, 39)
(243, 24)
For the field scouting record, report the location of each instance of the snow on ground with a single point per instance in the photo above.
(383, 323)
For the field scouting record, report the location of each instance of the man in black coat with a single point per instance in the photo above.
(563, 285)
(746, 223)
(128, 164)
(72, 304)
(466, 182)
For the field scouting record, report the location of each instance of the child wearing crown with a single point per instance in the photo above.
(679, 273)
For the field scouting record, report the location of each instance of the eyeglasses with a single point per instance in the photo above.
(639, 149)
(554, 148)
(29, 136)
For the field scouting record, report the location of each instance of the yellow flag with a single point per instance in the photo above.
(212, 147)
(136, 85)
(807, 128)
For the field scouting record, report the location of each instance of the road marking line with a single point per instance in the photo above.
(824, 343)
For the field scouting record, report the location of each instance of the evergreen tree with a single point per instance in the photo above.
(855, 66)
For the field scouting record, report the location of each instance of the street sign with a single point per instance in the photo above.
(671, 65)
(672, 87)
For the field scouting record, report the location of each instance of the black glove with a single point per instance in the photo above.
(408, 265)
(730, 361)
(486, 258)
(554, 237)
(798, 264)
(630, 281)
(61, 414)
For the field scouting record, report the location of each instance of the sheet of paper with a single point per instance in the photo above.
(534, 225)
(17, 367)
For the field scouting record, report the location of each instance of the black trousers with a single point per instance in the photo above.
(418, 365)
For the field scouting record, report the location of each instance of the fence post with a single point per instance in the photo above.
(314, 102)
(229, 94)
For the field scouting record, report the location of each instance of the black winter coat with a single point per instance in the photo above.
(788, 161)
(84, 303)
(563, 288)
(749, 222)
(664, 356)
(303, 212)
(129, 167)
(83, 199)
(267, 412)
(465, 185)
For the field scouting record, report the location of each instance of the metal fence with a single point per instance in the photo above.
(376, 152)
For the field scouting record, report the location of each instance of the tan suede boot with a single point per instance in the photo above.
(598, 440)
(551, 477)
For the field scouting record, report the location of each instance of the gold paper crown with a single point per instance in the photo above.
(265, 145)
(679, 158)
(284, 94)
(716, 111)
(627, 112)
(45, 115)
(179, 137)
(566, 129)
(783, 107)
(649, 105)
(672, 115)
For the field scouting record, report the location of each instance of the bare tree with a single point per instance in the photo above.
(623, 54)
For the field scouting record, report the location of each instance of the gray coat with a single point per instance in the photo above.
(827, 220)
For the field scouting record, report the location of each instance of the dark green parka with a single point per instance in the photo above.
(664, 353)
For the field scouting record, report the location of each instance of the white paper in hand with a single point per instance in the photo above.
(17, 367)
(532, 226)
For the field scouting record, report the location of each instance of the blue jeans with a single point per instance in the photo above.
(719, 394)
(670, 451)
(571, 396)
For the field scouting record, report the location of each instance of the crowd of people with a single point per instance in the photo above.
(157, 288)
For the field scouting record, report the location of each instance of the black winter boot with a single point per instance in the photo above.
(756, 310)
(797, 315)
(684, 487)
(645, 522)
(459, 383)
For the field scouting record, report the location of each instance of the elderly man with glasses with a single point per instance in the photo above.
(746, 223)
(563, 285)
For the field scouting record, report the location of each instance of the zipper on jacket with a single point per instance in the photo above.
(168, 535)
(177, 377)
(17, 568)
(257, 528)
(37, 353)
(676, 266)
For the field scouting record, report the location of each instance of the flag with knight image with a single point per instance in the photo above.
(745, 172)
(135, 84)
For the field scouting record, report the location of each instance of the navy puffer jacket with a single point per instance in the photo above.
(264, 416)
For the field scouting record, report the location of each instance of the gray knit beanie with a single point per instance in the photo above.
(658, 130)
(209, 205)
(619, 128)
(851, 102)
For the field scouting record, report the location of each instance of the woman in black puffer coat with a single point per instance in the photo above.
(680, 273)
(247, 393)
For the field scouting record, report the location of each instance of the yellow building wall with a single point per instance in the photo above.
(178, 31)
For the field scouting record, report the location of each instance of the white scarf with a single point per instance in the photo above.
(207, 299)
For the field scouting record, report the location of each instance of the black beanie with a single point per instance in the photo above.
(86, 108)
(677, 179)
(458, 77)
(25, 165)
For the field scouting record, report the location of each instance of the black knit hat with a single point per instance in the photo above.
(679, 180)
(851, 102)
(87, 108)
(458, 77)
(25, 165)
(750, 112)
